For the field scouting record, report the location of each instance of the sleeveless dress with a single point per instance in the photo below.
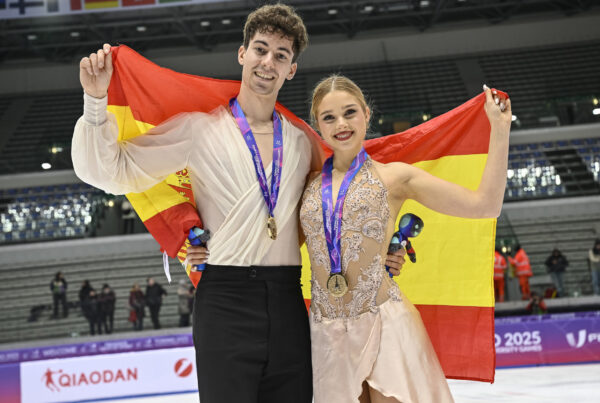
(373, 332)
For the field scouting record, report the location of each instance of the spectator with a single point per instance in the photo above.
(84, 291)
(185, 296)
(107, 308)
(58, 287)
(536, 305)
(556, 265)
(91, 311)
(136, 306)
(154, 294)
(499, 269)
(523, 270)
(595, 266)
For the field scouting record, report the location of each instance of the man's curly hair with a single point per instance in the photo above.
(277, 18)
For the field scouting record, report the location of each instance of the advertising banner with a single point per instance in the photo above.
(46, 8)
(112, 376)
(548, 339)
(96, 348)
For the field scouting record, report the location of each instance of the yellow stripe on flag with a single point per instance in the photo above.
(128, 126)
(154, 200)
(455, 252)
(101, 4)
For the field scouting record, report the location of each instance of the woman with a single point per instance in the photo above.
(137, 303)
(368, 341)
(184, 296)
(594, 256)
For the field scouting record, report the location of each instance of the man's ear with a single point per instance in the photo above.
(241, 54)
(292, 73)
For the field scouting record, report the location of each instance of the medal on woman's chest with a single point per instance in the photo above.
(337, 285)
(277, 166)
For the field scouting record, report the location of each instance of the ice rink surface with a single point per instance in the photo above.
(559, 383)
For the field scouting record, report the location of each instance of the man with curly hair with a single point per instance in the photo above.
(249, 320)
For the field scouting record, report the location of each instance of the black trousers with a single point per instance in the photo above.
(154, 309)
(252, 336)
(62, 298)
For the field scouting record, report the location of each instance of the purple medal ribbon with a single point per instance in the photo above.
(332, 219)
(277, 166)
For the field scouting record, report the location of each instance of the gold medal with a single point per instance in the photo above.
(337, 285)
(272, 228)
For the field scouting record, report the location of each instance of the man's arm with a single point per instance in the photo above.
(122, 167)
(395, 261)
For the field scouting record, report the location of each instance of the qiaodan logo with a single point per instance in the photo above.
(57, 380)
(183, 368)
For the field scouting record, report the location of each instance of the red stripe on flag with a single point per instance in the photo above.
(128, 3)
(75, 5)
(170, 227)
(463, 338)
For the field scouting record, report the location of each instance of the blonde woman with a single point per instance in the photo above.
(368, 341)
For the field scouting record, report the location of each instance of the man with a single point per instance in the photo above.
(523, 271)
(249, 320)
(154, 295)
(499, 269)
(58, 287)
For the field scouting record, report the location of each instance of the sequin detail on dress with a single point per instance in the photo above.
(365, 218)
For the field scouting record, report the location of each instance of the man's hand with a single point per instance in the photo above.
(395, 261)
(95, 72)
(197, 255)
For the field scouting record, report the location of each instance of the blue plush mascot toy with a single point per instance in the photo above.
(410, 226)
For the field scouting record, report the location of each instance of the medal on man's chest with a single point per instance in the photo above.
(272, 228)
(269, 195)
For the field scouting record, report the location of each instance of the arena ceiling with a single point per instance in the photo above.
(203, 26)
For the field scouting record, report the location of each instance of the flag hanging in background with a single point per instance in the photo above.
(452, 283)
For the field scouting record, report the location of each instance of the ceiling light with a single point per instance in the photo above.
(595, 101)
(424, 3)
(56, 150)
(332, 11)
(141, 28)
(46, 165)
(596, 111)
(425, 117)
(74, 34)
(111, 203)
(514, 117)
(225, 21)
(368, 9)
(32, 37)
(205, 23)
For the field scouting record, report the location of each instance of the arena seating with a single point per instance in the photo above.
(26, 283)
(49, 212)
(402, 91)
(553, 168)
(573, 235)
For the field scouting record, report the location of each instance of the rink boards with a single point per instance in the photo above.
(165, 365)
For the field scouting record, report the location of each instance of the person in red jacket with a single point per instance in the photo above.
(523, 271)
(499, 269)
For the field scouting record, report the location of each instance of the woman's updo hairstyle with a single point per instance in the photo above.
(332, 83)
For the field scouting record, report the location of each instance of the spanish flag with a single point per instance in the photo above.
(452, 283)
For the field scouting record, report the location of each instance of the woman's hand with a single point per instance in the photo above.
(498, 109)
